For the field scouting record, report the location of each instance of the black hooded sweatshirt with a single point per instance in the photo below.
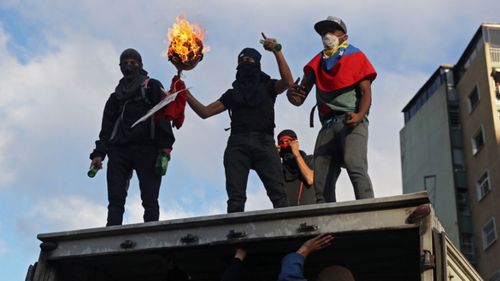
(123, 109)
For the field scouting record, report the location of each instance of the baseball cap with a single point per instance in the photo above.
(331, 22)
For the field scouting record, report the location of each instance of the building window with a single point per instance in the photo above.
(489, 233)
(495, 54)
(492, 36)
(473, 99)
(454, 117)
(477, 140)
(483, 186)
(467, 247)
(452, 95)
(458, 158)
(464, 210)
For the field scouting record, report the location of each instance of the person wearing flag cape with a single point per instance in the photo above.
(138, 147)
(343, 76)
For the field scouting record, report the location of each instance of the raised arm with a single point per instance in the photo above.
(235, 269)
(306, 172)
(202, 110)
(286, 75)
(292, 265)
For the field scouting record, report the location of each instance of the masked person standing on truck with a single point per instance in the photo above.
(139, 148)
(251, 144)
(297, 170)
(342, 75)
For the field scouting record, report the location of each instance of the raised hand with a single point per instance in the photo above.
(317, 243)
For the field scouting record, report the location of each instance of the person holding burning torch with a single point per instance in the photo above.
(130, 147)
(251, 144)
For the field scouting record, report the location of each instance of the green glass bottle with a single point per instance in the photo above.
(92, 171)
(162, 163)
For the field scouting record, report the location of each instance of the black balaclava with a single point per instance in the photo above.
(249, 86)
(133, 75)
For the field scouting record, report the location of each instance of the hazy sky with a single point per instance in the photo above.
(59, 63)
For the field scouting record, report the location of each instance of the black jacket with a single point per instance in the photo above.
(119, 115)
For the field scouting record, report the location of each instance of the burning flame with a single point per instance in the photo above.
(186, 42)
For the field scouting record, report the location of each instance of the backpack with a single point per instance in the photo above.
(123, 105)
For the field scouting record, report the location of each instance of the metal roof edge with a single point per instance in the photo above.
(398, 201)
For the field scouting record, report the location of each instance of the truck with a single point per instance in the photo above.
(395, 238)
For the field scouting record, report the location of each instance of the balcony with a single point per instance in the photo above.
(495, 56)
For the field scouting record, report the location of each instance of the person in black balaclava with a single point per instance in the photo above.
(250, 83)
(296, 166)
(136, 148)
(251, 145)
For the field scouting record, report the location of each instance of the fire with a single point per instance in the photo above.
(186, 44)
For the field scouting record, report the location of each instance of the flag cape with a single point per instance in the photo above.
(350, 68)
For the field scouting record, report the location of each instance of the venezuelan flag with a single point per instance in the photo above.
(350, 67)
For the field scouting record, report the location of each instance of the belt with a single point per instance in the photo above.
(331, 114)
(333, 119)
(337, 113)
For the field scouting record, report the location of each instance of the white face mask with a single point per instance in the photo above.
(330, 41)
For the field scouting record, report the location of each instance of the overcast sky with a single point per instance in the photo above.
(59, 63)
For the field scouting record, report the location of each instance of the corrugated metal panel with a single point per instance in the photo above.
(457, 267)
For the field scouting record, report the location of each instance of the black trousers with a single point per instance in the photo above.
(122, 161)
(255, 151)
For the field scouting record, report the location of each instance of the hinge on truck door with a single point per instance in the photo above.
(128, 244)
(427, 261)
(236, 234)
(48, 246)
(189, 239)
(304, 227)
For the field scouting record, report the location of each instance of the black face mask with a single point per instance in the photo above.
(249, 86)
(288, 158)
(133, 77)
(247, 72)
(129, 71)
(290, 166)
(284, 152)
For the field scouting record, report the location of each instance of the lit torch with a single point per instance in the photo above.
(185, 52)
(186, 44)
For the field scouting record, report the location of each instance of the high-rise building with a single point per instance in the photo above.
(450, 146)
